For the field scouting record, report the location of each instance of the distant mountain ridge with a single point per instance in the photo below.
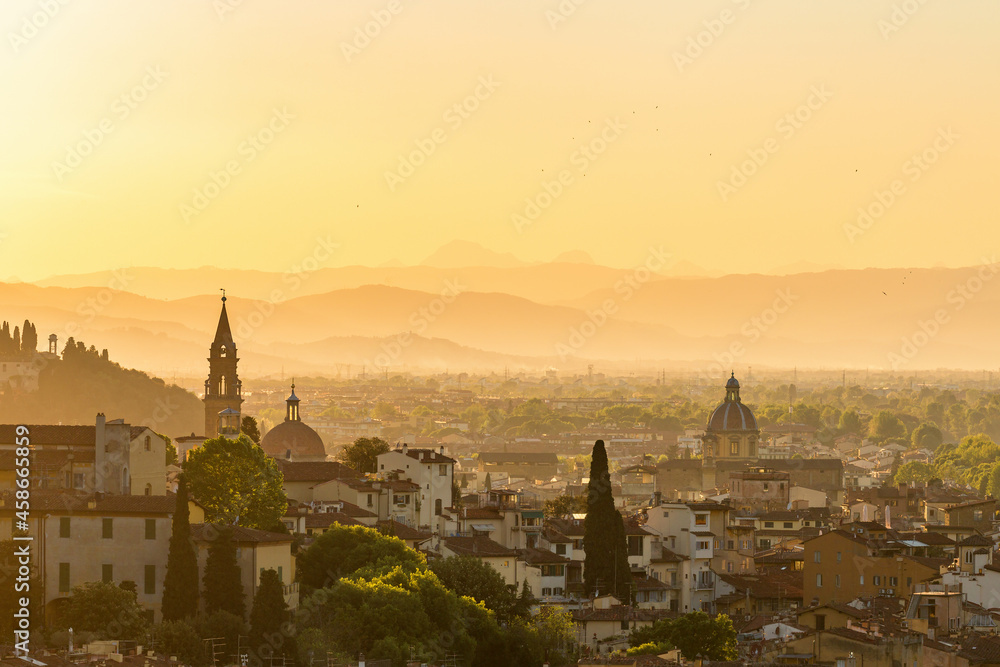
(833, 319)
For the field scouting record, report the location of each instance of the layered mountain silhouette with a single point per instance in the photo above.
(555, 315)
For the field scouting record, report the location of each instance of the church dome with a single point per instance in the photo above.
(732, 415)
(293, 440)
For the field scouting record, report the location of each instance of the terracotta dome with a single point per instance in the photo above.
(292, 439)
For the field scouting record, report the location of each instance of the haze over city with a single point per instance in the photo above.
(438, 333)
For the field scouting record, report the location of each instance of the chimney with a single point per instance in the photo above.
(442, 450)
(404, 447)
(100, 443)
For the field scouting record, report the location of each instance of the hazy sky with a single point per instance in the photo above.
(115, 112)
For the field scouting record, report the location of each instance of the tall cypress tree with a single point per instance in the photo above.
(605, 567)
(223, 581)
(269, 613)
(180, 586)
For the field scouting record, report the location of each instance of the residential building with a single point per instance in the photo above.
(430, 470)
(110, 457)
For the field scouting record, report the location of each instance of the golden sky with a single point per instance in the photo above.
(115, 112)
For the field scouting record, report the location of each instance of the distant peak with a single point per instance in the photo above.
(574, 257)
(457, 254)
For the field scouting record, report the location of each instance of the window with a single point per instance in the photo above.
(820, 622)
(769, 524)
(701, 519)
(64, 526)
(909, 581)
(107, 573)
(876, 580)
(64, 577)
(557, 591)
(893, 581)
(401, 499)
(838, 556)
(862, 580)
(370, 503)
(150, 529)
(765, 544)
(788, 524)
(149, 444)
(150, 580)
(443, 470)
(107, 529)
(765, 486)
(734, 447)
(635, 545)
(836, 580)
(977, 515)
(438, 507)
(666, 514)
(561, 549)
(546, 591)
(819, 581)
(729, 545)
(149, 490)
(817, 557)
(703, 544)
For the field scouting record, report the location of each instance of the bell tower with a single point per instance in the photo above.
(223, 389)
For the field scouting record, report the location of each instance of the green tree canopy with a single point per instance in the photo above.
(471, 577)
(563, 505)
(695, 634)
(927, 436)
(249, 428)
(344, 550)
(914, 471)
(235, 480)
(884, 425)
(180, 638)
(107, 610)
(363, 454)
(850, 422)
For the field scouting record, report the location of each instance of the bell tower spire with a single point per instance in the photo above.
(223, 388)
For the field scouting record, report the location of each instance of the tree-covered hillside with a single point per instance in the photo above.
(82, 382)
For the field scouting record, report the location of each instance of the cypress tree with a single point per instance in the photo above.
(269, 613)
(180, 586)
(605, 567)
(223, 581)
